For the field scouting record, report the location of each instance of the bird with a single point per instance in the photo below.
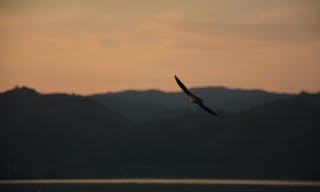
(193, 98)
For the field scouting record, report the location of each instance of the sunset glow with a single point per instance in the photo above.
(98, 46)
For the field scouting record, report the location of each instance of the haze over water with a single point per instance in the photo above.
(159, 185)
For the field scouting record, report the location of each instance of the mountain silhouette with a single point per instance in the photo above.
(154, 104)
(60, 135)
(278, 138)
(54, 131)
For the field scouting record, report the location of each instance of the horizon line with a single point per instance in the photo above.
(159, 90)
(166, 181)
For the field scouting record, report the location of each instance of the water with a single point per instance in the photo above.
(156, 185)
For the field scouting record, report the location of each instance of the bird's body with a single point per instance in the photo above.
(193, 98)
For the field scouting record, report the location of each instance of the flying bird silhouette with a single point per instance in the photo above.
(193, 98)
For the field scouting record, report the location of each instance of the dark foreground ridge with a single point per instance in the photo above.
(265, 135)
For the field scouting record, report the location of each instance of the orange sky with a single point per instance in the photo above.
(98, 46)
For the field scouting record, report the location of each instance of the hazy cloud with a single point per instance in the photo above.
(276, 32)
(244, 43)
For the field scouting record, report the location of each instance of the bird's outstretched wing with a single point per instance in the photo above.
(195, 99)
(186, 90)
(183, 87)
(207, 109)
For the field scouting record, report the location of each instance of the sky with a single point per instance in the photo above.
(99, 46)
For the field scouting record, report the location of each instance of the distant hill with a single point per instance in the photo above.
(59, 135)
(154, 104)
(39, 131)
(275, 140)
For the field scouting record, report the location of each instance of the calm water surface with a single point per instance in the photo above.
(157, 185)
